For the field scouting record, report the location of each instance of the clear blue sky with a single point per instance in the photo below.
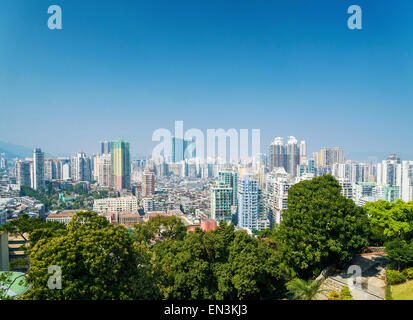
(126, 68)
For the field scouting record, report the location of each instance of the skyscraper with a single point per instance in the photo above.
(102, 169)
(230, 177)
(329, 156)
(120, 164)
(22, 173)
(181, 149)
(293, 156)
(394, 157)
(279, 202)
(221, 202)
(48, 169)
(148, 183)
(277, 154)
(81, 167)
(407, 181)
(3, 161)
(248, 202)
(65, 166)
(395, 179)
(389, 173)
(51, 169)
(105, 147)
(303, 151)
(189, 149)
(287, 155)
(38, 169)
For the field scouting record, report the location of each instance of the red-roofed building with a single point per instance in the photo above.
(208, 225)
(156, 213)
(129, 219)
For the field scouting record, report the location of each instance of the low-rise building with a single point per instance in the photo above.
(129, 219)
(153, 214)
(67, 197)
(63, 217)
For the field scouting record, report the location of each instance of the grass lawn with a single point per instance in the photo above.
(17, 288)
(403, 291)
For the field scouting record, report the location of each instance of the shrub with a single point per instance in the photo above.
(395, 277)
(408, 273)
(345, 294)
(334, 295)
(400, 253)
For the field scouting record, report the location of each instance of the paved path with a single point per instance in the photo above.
(372, 286)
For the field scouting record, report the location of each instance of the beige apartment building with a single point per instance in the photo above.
(130, 203)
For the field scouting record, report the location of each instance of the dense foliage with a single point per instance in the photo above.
(220, 264)
(5, 281)
(97, 261)
(344, 294)
(389, 221)
(320, 227)
(50, 197)
(160, 228)
(395, 277)
(161, 260)
(304, 290)
(400, 253)
(22, 226)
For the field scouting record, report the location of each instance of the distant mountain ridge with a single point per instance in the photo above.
(17, 151)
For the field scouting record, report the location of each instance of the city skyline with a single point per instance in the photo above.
(213, 153)
(363, 157)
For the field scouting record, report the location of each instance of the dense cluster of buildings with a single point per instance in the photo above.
(109, 169)
(251, 193)
(256, 199)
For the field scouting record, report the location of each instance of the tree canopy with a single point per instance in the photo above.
(160, 228)
(320, 227)
(97, 261)
(219, 264)
(400, 253)
(22, 226)
(160, 259)
(390, 220)
(304, 290)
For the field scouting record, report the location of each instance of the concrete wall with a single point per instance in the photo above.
(4, 251)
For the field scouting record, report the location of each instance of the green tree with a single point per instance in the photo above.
(160, 228)
(22, 226)
(98, 261)
(400, 253)
(301, 289)
(251, 271)
(390, 220)
(320, 227)
(45, 230)
(181, 268)
(29, 228)
(219, 264)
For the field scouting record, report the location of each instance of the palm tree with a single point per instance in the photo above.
(304, 290)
